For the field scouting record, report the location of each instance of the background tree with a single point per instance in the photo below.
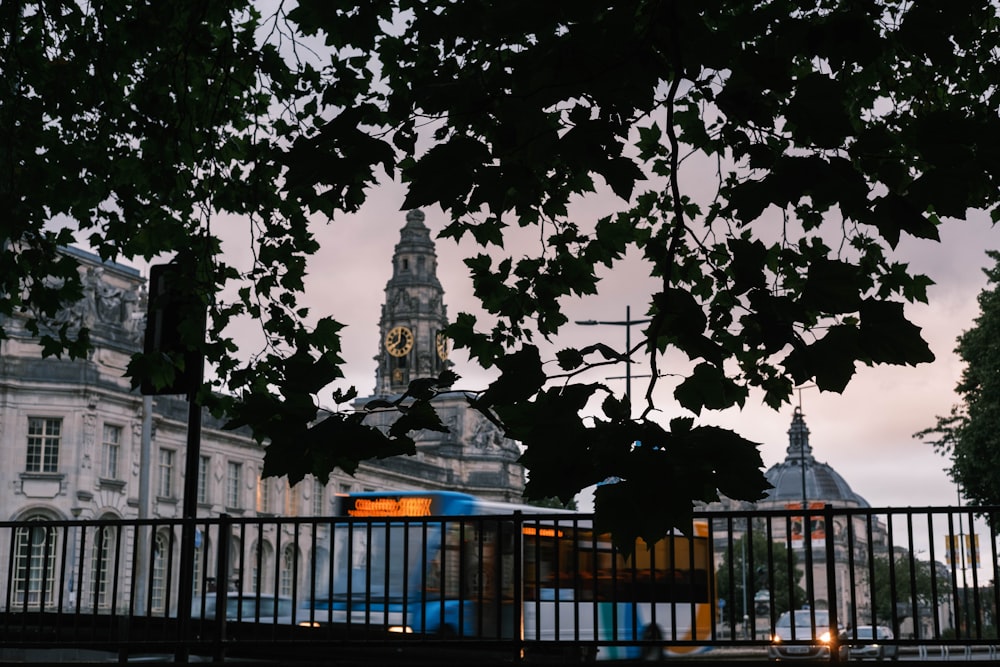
(970, 434)
(748, 561)
(765, 168)
(894, 594)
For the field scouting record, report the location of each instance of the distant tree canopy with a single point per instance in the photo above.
(897, 595)
(553, 503)
(748, 568)
(970, 434)
(766, 157)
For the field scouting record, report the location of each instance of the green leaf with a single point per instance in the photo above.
(893, 214)
(521, 377)
(569, 359)
(833, 286)
(616, 410)
(829, 362)
(817, 112)
(682, 323)
(708, 387)
(417, 416)
(887, 337)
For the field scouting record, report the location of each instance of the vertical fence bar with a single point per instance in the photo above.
(914, 601)
(893, 589)
(831, 582)
(517, 636)
(971, 547)
(713, 593)
(935, 598)
(772, 598)
(731, 593)
(480, 563)
(851, 576)
(424, 574)
(953, 558)
(996, 572)
(221, 589)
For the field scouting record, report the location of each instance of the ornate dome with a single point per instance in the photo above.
(817, 483)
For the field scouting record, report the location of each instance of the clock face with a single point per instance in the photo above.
(442, 345)
(399, 341)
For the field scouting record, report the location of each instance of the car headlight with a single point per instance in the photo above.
(404, 629)
(775, 639)
(825, 637)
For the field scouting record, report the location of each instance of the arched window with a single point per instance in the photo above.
(161, 560)
(236, 562)
(35, 553)
(262, 568)
(288, 569)
(102, 563)
(201, 564)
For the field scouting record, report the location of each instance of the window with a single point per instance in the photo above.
(102, 575)
(43, 444)
(158, 594)
(262, 567)
(196, 574)
(203, 471)
(35, 553)
(166, 487)
(233, 484)
(111, 451)
(263, 496)
(287, 571)
(291, 501)
(318, 498)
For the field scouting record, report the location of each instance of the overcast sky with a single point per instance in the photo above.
(865, 433)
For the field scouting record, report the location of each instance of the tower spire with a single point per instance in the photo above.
(798, 438)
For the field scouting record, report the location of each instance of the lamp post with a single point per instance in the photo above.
(627, 323)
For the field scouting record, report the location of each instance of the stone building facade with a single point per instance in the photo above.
(76, 442)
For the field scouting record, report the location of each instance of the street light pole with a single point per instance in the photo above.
(627, 323)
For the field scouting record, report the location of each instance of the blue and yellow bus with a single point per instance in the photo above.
(446, 564)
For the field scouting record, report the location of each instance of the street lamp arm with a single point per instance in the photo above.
(626, 323)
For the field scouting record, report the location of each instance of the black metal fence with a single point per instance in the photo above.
(524, 586)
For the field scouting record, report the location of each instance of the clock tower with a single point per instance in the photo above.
(413, 314)
(471, 455)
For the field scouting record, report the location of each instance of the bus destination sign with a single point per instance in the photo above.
(389, 506)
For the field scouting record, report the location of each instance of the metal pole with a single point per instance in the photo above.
(145, 462)
(185, 593)
(628, 347)
(628, 358)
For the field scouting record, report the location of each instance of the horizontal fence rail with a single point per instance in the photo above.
(817, 581)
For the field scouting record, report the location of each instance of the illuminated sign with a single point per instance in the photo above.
(959, 554)
(814, 525)
(541, 532)
(387, 506)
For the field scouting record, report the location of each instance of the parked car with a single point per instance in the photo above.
(875, 646)
(247, 608)
(805, 636)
